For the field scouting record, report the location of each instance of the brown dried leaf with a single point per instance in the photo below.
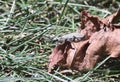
(67, 55)
(113, 17)
(57, 55)
(73, 54)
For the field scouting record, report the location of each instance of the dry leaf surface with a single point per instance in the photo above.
(99, 40)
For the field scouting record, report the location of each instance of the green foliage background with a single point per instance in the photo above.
(27, 28)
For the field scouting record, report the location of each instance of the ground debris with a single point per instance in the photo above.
(99, 40)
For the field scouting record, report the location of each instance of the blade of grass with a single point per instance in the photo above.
(11, 12)
(78, 5)
(58, 78)
(39, 34)
(90, 72)
(63, 12)
(65, 76)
